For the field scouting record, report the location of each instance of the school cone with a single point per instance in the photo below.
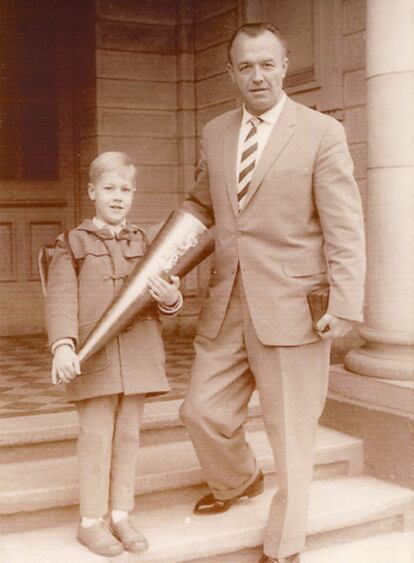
(181, 244)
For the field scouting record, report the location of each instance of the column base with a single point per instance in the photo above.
(381, 413)
(382, 361)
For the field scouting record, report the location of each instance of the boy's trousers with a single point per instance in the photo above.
(107, 452)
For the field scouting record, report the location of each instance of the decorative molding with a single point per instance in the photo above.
(392, 396)
(338, 114)
(28, 202)
(39, 233)
(8, 263)
(22, 328)
(300, 77)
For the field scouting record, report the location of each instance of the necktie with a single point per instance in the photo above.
(248, 160)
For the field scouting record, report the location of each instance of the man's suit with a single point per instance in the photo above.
(300, 227)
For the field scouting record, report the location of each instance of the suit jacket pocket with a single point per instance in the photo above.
(97, 361)
(305, 267)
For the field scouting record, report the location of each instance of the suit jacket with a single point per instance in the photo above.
(134, 361)
(301, 225)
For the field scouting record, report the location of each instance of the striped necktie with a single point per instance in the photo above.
(248, 160)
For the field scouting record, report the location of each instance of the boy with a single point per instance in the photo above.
(109, 395)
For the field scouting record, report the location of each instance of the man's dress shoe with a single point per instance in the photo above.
(211, 505)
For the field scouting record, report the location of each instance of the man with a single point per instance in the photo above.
(276, 179)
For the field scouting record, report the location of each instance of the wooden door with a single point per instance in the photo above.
(37, 188)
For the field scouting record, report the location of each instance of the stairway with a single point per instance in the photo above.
(38, 494)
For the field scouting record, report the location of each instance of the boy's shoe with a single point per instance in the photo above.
(131, 539)
(99, 539)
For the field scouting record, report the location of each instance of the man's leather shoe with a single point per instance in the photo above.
(211, 505)
(290, 559)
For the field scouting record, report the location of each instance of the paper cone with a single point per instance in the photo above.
(181, 244)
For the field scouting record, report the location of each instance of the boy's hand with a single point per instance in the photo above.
(65, 366)
(162, 291)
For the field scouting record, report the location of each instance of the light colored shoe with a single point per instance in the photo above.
(99, 539)
(131, 539)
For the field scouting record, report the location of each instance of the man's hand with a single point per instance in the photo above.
(329, 327)
(65, 366)
(163, 292)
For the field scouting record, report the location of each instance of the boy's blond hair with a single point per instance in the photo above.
(109, 161)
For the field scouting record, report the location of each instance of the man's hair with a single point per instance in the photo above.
(110, 161)
(254, 30)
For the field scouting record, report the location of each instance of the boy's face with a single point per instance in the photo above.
(113, 193)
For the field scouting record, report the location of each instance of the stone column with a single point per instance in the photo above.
(389, 322)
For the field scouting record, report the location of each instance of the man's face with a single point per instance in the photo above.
(113, 193)
(258, 67)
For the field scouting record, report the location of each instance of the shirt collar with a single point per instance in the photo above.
(114, 230)
(90, 226)
(270, 116)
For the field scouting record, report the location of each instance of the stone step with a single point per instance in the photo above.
(55, 434)
(341, 510)
(48, 483)
(395, 547)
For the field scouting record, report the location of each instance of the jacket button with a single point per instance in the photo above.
(239, 234)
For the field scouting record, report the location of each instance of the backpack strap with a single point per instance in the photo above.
(69, 251)
(45, 257)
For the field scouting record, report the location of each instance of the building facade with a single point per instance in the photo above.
(144, 77)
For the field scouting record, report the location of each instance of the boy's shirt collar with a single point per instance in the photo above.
(113, 229)
(101, 229)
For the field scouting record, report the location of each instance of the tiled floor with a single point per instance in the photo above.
(25, 386)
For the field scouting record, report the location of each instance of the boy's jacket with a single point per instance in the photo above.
(134, 361)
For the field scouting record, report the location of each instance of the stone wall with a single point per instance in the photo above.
(355, 86)
(215, 22)
(135, 81)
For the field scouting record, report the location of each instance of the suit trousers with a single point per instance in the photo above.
(107, 452)
(292, 384)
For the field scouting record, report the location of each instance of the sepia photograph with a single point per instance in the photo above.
(207, 281)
